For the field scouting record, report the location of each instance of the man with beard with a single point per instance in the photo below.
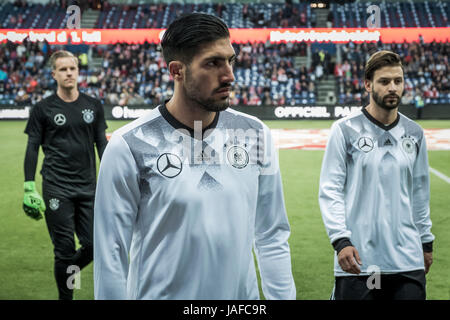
(186, 191)
(374, 194)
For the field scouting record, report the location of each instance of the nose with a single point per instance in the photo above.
(393, 87)
(228, 75)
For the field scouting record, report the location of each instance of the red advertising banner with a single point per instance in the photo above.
(108, 36)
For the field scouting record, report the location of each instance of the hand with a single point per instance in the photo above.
(33, 204)
(349, 259)
(428, 260)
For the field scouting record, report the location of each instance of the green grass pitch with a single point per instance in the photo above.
(26, 257)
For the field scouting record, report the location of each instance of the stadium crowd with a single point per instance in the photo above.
(425, 64)
(266, 74)
(134, 74)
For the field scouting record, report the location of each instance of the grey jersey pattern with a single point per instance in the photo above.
(374, 190)
(188, 211)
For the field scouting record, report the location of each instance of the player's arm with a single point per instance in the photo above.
(331, 200)
(272, 230)
(100, 141)
(31, 159)
(116, 205)
(99, 133)
(33, 204)
(421, 201)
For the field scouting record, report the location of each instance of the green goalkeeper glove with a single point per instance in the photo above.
(33, 204)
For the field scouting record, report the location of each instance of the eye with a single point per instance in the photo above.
(212, 63)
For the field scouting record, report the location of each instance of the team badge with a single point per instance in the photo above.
(408, 145)
(59, 119)
(169, 165)
(54, 204)
(237, 157)
(365, 144)
(88, 115)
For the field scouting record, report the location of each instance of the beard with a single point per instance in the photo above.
(192, 90)
(383, 101)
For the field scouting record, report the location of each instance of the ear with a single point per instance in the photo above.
(53, 74)
(368, 85)
(176, 70)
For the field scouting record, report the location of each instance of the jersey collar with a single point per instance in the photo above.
(378, 123)
(178, 125)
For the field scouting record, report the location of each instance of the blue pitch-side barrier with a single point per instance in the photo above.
(438, 111)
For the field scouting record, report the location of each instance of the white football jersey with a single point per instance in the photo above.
(374, 190)
(177, 216)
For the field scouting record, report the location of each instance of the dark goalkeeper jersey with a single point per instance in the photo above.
(67, 132)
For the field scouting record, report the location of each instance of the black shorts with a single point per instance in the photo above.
(399, 286)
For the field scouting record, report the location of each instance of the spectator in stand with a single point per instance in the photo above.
(330, 19)
(3, 75)
(419, 103)
(408, 97)
(319, 72)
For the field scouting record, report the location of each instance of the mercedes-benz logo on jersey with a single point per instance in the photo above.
(365, 144)
(408, 145)
(54, 204)
(237, 157)
(60, 119)
(88, 115)
(169, 165)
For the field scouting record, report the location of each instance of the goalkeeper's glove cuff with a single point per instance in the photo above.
(29, 186)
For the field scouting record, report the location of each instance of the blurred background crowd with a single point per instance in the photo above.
(266, 73)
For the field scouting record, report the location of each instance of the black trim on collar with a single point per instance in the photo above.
(378, 123)
(178, 125)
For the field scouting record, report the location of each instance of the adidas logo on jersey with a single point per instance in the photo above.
(388, 142)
